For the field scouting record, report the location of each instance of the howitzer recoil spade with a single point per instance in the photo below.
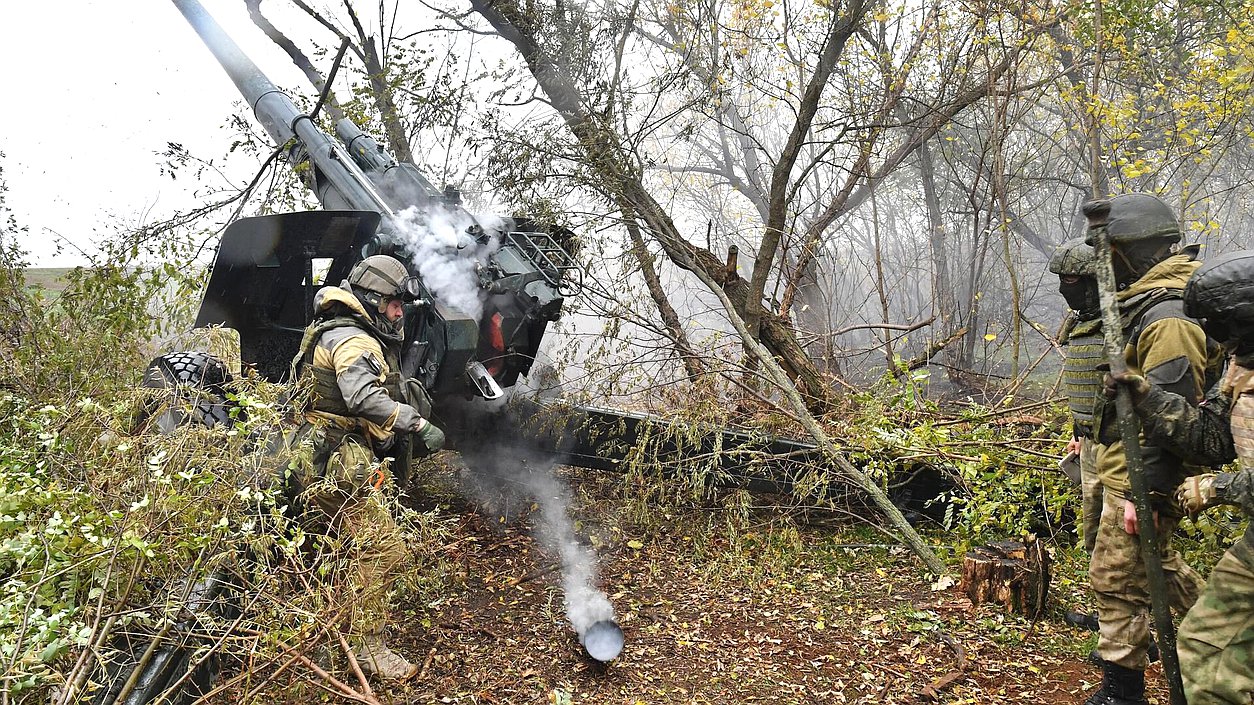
(1098, 215)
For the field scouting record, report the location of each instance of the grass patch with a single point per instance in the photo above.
(49, 280)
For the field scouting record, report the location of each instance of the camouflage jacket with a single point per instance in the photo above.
(1201, 434)
(1205, 435)
(355, 384)
(1174, 354)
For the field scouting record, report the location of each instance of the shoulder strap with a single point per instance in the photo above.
(304, 355)
(1134, 309)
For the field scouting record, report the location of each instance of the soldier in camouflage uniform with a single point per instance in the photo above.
(348, 362)
(1173, 353)
(1082, 341)
(1216, 639)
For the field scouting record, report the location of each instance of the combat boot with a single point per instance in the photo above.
(1120, 686)
(376, 658)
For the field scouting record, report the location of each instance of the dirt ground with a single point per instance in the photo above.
(735, 600)
(719, 611)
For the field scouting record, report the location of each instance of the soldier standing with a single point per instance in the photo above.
(349, 358)
(1082, 351)
(1216, 639)
(1173, 353)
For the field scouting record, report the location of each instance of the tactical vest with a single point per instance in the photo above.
(1081, 379)
(324, 393)
(1105, 428)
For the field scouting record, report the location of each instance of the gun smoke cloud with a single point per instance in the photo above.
(508, 480)
(446, 255)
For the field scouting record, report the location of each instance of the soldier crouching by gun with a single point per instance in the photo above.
(349, 369)
(1216, 640)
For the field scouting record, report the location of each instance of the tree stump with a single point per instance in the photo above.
(1014, 574)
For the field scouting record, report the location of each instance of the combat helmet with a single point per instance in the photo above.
(1138, 217)
(1074, 262)
(1073, 258)
(1141, 228)
(378, 278)
(1220, 295)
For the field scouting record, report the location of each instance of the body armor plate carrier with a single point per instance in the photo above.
(1081, 379)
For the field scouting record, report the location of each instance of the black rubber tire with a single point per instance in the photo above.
(202, 382)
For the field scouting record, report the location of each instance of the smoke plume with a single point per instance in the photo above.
(446, 256)
(508, 480)
(585, 603)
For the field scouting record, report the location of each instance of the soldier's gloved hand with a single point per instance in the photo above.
(1197, 493)
(1135, 384)
(429, 437)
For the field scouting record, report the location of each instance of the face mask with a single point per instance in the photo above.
(1082, 297)
(1131, 261)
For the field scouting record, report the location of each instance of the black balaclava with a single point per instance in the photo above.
(1132, 260)
(1082, 296)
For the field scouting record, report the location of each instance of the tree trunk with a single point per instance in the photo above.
(606, 156)
(692, 362)
(1013, 574)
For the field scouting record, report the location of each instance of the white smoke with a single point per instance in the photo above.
(502, 478)
(585, 603)
(446, 256)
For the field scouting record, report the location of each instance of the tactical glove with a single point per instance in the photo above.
(1136, 384)
(428, 438)
(1197, 493)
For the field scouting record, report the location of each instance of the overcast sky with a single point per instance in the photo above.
(92, 91)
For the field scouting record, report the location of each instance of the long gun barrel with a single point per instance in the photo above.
(344, 186)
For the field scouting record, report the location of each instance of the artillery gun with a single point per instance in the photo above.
(487, 293)
(519, 273)
(510, 276)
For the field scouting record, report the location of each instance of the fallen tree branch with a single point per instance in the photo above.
(793, 397)
(538, 573)
(933, 690)
(352, 662)
(345, 690)
(926, 356)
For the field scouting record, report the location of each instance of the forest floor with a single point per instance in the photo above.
(726, 605)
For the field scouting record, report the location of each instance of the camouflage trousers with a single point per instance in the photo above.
(1117, 576)
(1217, 636)
(346, 513)
(1090, 494)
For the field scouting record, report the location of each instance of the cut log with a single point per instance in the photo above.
(1014, 574)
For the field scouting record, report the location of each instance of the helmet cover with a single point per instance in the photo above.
(381, 275)
(1139, 217)
(1220, 295)
(1073, 257)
